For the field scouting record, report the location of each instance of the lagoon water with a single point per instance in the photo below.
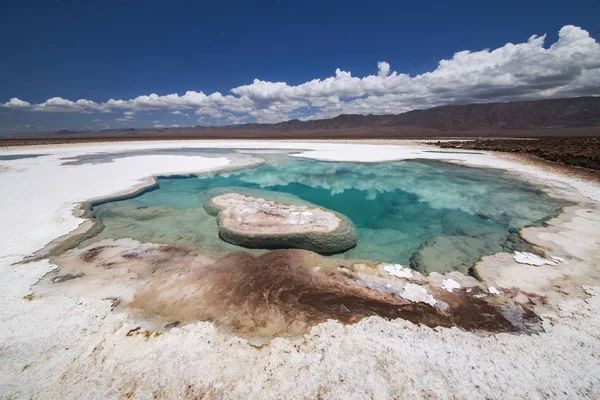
(430, 215)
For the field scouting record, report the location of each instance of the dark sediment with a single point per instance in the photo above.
(278, 293)
(66, 277)
(581, 152)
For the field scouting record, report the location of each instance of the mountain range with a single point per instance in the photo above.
(578, 116)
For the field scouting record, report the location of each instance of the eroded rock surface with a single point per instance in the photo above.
(280, 293)
(255, 222)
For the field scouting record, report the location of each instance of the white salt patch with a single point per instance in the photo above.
(53, 191)
(493, 290)
(558, 260)
(532, 259)
(36, 209)
(398, 270)
(417, 294)
(450, 284)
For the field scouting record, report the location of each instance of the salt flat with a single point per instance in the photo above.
(68, 347)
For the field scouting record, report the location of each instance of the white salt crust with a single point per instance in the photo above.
(72, 348)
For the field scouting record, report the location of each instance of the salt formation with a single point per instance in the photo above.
(417, 294)
(532, 259)
(397, 270)
(256, 222)
(450, 284)
(278, 294)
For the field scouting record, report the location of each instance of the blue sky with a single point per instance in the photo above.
(101, 50)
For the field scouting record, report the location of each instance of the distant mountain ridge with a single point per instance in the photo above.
(552, 113)
(553, 117)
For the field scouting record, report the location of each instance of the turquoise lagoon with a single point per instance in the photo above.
(430, 215)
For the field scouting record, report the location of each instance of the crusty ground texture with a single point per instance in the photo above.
(76, 347)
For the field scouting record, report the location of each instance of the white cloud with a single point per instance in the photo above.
(277, 111)
(237, 119)
(17, 103)
(127, 117)
(384, 69)
(211, 111)
(528, 70)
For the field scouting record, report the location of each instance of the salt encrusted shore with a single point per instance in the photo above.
(65, 347)
(256, 222)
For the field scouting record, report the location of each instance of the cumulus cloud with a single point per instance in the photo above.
(127, 117)
(235, 119)
(17, 103)
(384, 69)
(522, 71)
(177, 112)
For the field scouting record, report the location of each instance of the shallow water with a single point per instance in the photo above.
(19, 156)
(431, 215)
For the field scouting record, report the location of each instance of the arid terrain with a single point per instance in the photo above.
(568, 117)
(571, 151)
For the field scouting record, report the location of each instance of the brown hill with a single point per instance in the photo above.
(539, 114)
(555, 117)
